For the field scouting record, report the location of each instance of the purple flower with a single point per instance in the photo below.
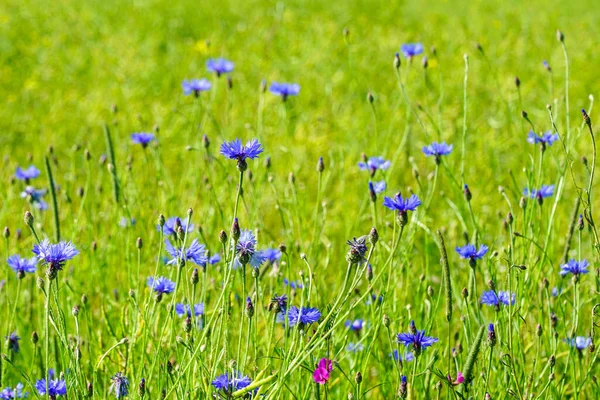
(437, 150)
(9, 393)
(355, 325)
(400, 204)
(169, 227)
(579, 342)
(215, 258)
(35, 197)
(22, 265)
(56, 387)
(54, 255)
(545, 191)
(196, 253)
(26, 174)
(278, 303)
(574, 267)
(246, 250)
(230, 383)
(161, 285)
(271, 255)
(219, 66)
(406, 357)
(143, 138)
(195, 86)
(410, 50)
(377, 187)
(373, 164)
(304, 316)
(236, 151)
(491, 298)
(418, 340)
(284, 89)
(186, 310)
(470, 252)
(358, 250)
(546, 138)
(13, 342)
(119, 385)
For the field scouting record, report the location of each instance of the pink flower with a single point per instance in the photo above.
(321, 374)
(459, 379)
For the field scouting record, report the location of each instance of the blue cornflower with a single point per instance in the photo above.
(546, 138)
(56, 387)
(406, 357)
(196, 253)
(161, 285)
(215, 258)
(354, 347)
(402, 205)
(219, 66)
(22, 265)
(543, 192)
(143, 138)
(417, 340)
(574, 267)
(54, 255)
(471, 253)
(358, 250)
(292, 284)
(373, 164)
(278, 304)
(271, 255)
(169, 227)
(579, 342)
(355, 325)
(246, 250)
(12, 341)
(437, 150)
(195, 86)
(284, 89)
(306, 316)
(229, 384)
(234, 150)
(119, 386)
(410, 50)
(35, 197)
(27, 174)
(186, 310)
(377, 187)
(9, 393)
(491, 298)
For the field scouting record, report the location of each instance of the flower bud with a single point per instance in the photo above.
(235, 230)
(28, 218)
(320, 165)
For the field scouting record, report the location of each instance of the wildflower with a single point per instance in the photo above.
(55, 387)
(355, 325)
(292, 284)
(219, 66)
(271, 255)
(185, 309)
(196, 253)
(284, 89)
(9, 393)
(459, 379)
(406, 357)
(403, 391)
(373, 164)
(215, 258)
(354, 347)
(234, 150)
(278, 303)
(249, 307)
(119, 386)
(27, 174)
(545, 139)
(358, 250)
(377, 187)
(579, 342)
(417, 340)
(398, 203)
(22, 265)
(161, 286)
(574, 267)
(491, 335)
(491, 298)
(437, 150)
(471, 253)
(143, 138)
(228, 384)
(246, 250)
(54, 255)
(171, 224)
(12, 341)
(35, 197)
(305, 316)
(556, 291)
(322, 372)
(195, 86)
(543, 192)
(409, 50)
